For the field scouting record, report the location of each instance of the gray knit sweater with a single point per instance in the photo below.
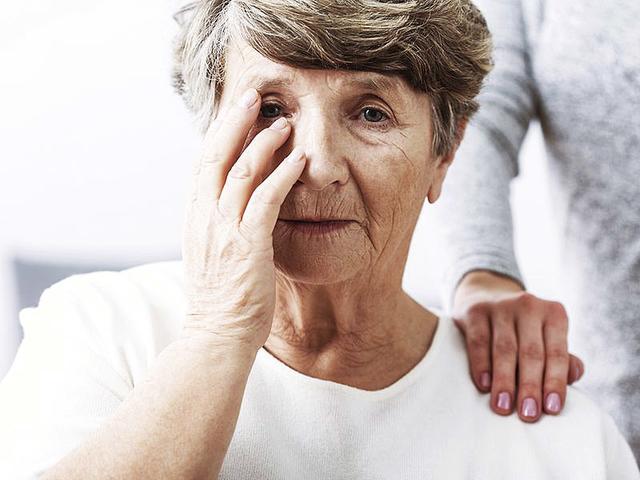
(575, 66)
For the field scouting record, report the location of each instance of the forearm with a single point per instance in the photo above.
(177, 424)
(473, 218)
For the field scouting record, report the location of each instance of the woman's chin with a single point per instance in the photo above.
(317, 262)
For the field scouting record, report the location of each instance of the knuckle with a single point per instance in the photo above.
(265, 195)
(240, 171)
(558, 314)
(504, 347)
(209, 157)
(557, 354)
(527, 301)
(531, 352)
(264, 144)
(479, 342)
(250, 234)
(478, 311)
(504, 381)
(221, 216)
(554, 384)
(529, 388)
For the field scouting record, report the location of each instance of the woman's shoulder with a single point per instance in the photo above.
(126, 316)
(583, 435)
(583, 438)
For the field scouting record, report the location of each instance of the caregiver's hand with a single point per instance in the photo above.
(513, 337)
(227, 245)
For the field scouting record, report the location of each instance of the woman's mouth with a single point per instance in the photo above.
(316, 227)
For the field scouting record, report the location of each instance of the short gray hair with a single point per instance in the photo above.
(441, 47)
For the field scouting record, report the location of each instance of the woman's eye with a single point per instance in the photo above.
(270, 110)
(374, 115)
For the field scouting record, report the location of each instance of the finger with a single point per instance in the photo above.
(248, 170)
(222, 145)
(263, 208)
(505, 362)
(477, 333)
(530, 364)
(576, 369)
(556, 359)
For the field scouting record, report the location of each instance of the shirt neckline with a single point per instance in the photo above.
(292, 376)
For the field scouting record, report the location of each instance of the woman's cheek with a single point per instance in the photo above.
(371, 136)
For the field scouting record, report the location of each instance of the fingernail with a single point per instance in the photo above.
(552, 403)
(485, 380)
(279, 124)
(296, 155)
(504, 401)
(577, 371)
(529, 407)
(249, 98)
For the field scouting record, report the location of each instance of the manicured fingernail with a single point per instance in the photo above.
(552, 403)
(529, 407)
(279, 124)
(485, 380)
(249, 98)
(576, 372)
(296, 155)
(504, 401)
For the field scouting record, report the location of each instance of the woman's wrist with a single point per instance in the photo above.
(212, 345)
(489, 280)
(483, 285)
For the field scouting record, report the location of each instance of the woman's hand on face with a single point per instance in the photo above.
(227, 244)
(516, 342)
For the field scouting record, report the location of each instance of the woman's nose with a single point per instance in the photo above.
(323, 146)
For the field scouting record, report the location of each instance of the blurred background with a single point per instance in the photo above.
(96, 149)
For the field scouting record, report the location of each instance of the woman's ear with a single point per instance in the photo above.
(444, 161)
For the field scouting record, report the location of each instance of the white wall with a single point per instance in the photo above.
(95, 147)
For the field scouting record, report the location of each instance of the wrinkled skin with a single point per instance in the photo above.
(331, 305)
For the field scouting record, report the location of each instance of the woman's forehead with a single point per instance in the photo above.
(247, 68)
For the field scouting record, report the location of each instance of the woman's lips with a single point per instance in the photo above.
(316, 227)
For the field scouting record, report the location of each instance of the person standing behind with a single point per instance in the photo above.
(575, 67)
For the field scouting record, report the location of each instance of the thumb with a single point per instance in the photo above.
(576, 369)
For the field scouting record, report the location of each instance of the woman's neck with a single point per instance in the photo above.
(366, 338)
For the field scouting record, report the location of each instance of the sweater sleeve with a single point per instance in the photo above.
(58, 390)
(473, 216)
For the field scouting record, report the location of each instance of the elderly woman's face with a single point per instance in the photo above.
(367, 139)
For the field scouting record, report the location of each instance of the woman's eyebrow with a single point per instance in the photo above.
(389, 87)
(261, 84)
(379, 83)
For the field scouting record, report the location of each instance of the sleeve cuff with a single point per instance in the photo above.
(491, 262)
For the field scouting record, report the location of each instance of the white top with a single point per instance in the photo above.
(93, 337)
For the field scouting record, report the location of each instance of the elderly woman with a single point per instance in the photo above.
(283, 346)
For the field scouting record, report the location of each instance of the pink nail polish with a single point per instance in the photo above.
(553, 403)
(485, 380)
(529, 407)
(504, 401)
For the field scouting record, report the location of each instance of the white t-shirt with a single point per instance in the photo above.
(94, 336)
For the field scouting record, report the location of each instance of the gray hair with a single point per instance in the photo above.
(441, 47)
